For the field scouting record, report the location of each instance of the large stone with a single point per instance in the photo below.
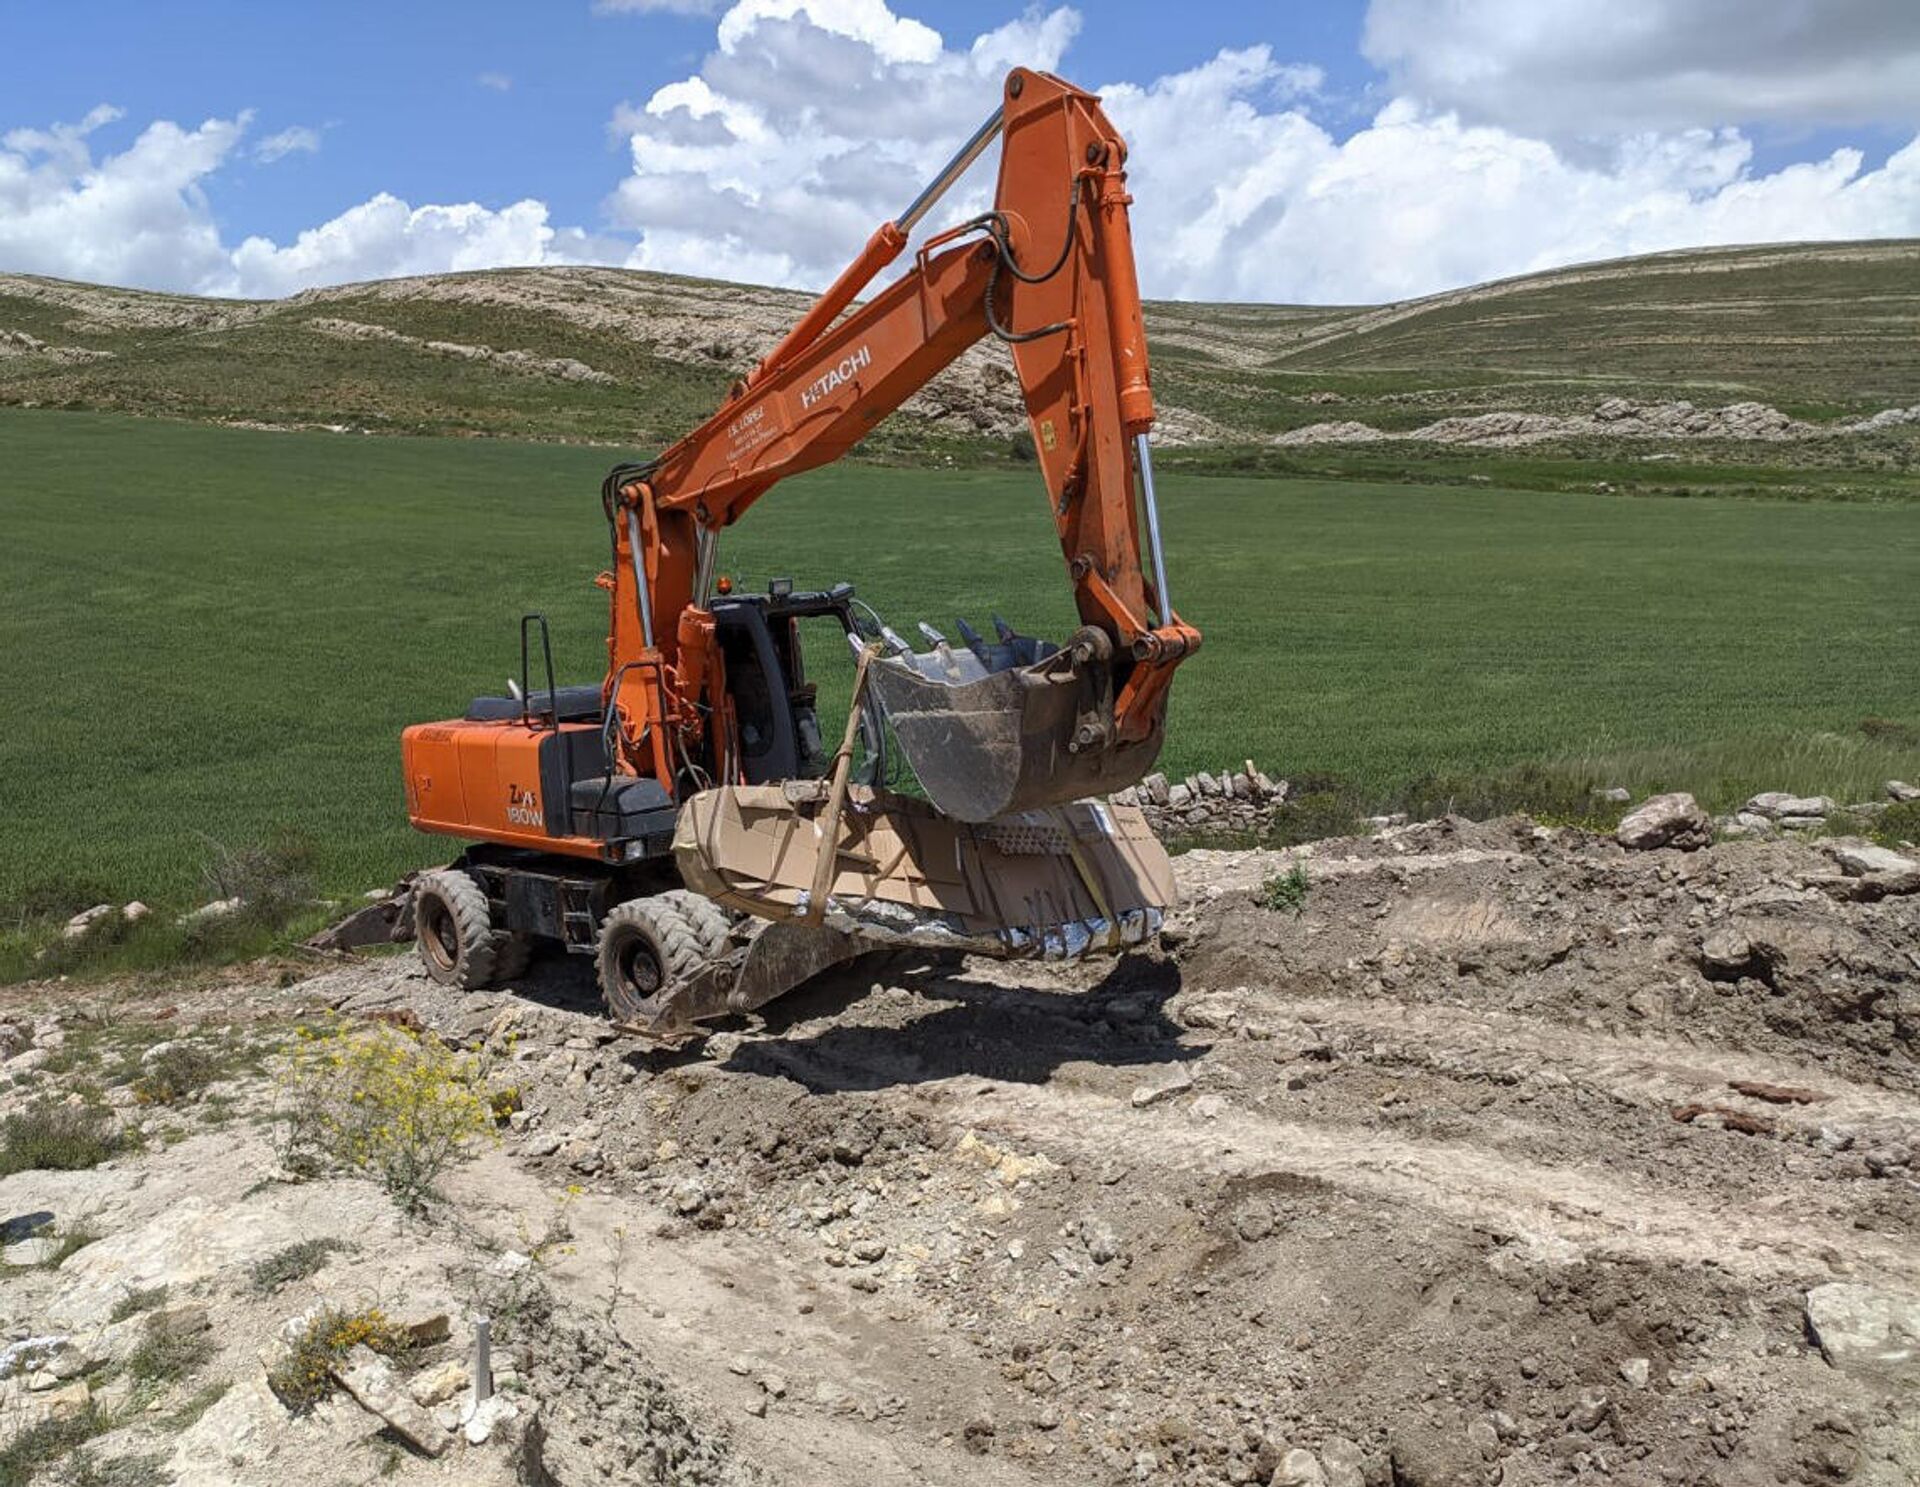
(1179, 797)
(1102, 1242)
(1155, 788)
(439, 1384)
(229, 1443)
(1858, 862)
(28, 1354)
(371, 1381)
(196, 1237)
(424, 1322)
(1344, 1462)
(1178, 1083)
(1901, 790)
(1776, 804)
(1299, 1468)
(481, 1420)
(1726, 954)
(42, 1249)
(1674, 820)
(1866, 1331)
(83, 922)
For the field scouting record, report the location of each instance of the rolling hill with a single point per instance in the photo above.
(1823, 332)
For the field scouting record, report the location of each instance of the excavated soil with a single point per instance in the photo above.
(1475, 1168)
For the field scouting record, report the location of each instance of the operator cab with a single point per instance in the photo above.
(775, 706)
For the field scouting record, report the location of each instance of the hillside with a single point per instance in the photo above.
(1822, 333)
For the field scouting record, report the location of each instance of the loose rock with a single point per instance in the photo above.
(1674, 820)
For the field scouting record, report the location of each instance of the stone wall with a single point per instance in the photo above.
(1232, 800)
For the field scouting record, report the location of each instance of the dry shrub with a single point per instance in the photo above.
(383, 1102)
(304, 1376)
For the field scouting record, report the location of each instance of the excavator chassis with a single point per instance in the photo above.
(733, 920)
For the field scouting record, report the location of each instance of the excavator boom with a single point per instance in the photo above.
(1050, 271)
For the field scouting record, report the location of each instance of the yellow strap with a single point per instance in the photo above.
(1092, 882)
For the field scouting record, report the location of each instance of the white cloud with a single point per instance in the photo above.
(385, 238)
(811, 121)
(814, 120)
(499, 82)
(288, 141)
(1233, 202)
(139, 217)
(142, 218)
(1598, 67)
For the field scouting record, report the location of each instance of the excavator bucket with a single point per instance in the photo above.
(1016, 725)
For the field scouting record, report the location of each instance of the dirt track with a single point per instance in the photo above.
(1400, 1181)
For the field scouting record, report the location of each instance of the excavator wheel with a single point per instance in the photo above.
(454, 929)
(711, 924)
(648, 949)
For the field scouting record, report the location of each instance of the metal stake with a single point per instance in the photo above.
(482, 1360)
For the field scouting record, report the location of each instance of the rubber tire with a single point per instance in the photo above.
(512, 954)
(637, 932)
(711, 924)
(453, 926)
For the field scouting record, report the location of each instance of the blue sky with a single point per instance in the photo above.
(1357, 149)
(395, 89)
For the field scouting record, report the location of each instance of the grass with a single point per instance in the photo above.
(136, 1301)
(186, 1066)
(225, 648)
(1286, 892)
(196, 1404)
(50, 1137)
(295, 1262)
(83, 1469)
(1900, 825)
(163, 1357)
(53, 1450)
(25, 1457)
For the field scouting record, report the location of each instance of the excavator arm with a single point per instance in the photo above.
(1049, 270)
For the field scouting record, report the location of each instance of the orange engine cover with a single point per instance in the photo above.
(497, 782)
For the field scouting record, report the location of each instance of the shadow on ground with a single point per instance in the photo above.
(1018, 1035)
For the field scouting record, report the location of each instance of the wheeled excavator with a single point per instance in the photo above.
(634, 819)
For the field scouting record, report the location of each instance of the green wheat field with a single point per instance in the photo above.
(214, 636)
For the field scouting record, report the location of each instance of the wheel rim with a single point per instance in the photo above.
(439, 935)
(638, 967)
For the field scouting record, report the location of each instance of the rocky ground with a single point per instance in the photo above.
(1452, 1154)
(1612, 418)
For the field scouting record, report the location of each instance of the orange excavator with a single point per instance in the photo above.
(572, 796)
